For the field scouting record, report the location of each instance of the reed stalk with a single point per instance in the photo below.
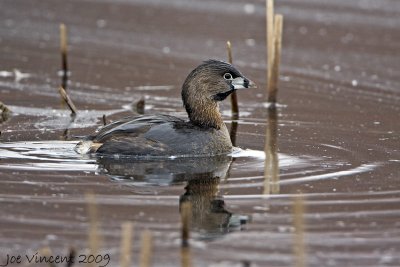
(274, 75)
(270, 37)
(64, 51)
(67, 100)
(234, 101)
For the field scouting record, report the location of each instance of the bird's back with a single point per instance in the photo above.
(159, 136)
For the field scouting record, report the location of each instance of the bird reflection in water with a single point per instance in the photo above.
(209, 219)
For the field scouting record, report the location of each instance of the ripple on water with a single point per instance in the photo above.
(244, 168)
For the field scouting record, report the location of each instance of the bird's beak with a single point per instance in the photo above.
(243, 83)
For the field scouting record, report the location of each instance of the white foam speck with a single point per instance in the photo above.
(101, 23)
(238, 153)
(166, 50)
(249, 9)
(153, 87)
(6, 74)
(250, 42)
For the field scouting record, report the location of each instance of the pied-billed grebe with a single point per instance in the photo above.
(162, 135)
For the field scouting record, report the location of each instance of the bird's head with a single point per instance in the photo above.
(208, 84)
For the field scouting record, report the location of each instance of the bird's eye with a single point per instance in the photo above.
(228, 76)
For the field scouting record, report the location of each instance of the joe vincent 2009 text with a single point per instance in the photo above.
(101, 260)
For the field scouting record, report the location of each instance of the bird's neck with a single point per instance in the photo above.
(206, 116)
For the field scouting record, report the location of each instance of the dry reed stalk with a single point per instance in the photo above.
(270, 37)
(63, 46)
(126, 244)
(299, 249)
(273, 82)
(67, 100)
(271, 165)
(186, 212)
(64, 51)
(229, 49)
(94, 239)
(146, 249)
(234, 101)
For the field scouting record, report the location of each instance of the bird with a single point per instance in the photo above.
(203, 134)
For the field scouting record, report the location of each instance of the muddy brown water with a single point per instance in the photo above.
(338, 131)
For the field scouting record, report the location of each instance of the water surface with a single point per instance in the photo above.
(336, 131)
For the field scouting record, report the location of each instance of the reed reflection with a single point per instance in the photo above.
(271, 168)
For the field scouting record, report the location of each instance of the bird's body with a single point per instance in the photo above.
(162, 135)
(159, 135)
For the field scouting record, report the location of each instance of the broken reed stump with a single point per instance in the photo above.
(146, 249)
(271, 164)
(126, 244)
(140, 106)
(104, 120)
(299, 248)
(63, 49)
(67, 100)
(273, 82)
